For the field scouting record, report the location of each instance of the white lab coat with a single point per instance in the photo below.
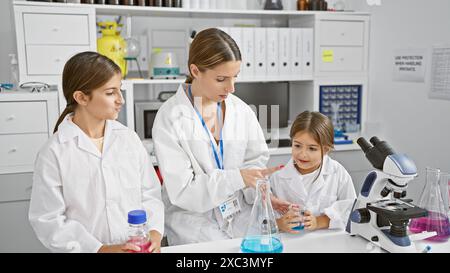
(331, 194)
(81, 198)
(193, 186)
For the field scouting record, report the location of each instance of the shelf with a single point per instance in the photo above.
(182, 12)
(243, 80)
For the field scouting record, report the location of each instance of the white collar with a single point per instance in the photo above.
(68, 130)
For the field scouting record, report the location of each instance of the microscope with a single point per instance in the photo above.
(380, 214)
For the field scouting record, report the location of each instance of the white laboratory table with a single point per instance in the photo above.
(319, 241)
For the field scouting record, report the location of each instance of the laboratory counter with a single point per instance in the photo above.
(319, 241)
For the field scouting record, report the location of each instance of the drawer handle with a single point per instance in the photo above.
(342, 33)
(13, 150)
(56, 29)
(58, 60)
(12, 117)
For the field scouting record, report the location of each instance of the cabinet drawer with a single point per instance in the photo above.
(23, 117)
(344, 59)
(342, 33)
(56, 29)
(15, 187)
(20, 150)
(50, 60)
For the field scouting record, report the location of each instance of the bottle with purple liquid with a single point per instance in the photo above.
(432, 199)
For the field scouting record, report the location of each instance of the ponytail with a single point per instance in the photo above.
(69, 109)
(189, 79)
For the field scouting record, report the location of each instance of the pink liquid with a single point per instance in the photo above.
(433, 222)
(144, 244)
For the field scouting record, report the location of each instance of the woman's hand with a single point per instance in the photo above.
(251, 175)
(279, 205)
(289, 220)
(316, 222)
(155, 239)
(125, 248)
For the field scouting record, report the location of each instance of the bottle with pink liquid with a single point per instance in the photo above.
(432, 199)
(137, 230)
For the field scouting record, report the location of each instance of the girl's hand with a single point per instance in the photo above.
(155, 239)
(125, 248)
(316, 222)
(289, 221)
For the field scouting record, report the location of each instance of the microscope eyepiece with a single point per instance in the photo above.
(365, 146)
(372, 153)
(382, 146)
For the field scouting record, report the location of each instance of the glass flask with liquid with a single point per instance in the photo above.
(262, 234)
(432, 200)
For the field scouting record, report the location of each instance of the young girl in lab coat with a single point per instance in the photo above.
(93, 170)
(210, 147)
(311, 179)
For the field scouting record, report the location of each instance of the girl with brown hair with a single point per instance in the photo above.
(311, 180)
(210, 147)
(93, 170)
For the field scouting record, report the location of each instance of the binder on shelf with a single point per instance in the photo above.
(284, 47)
(307, 65)
(296, 50)
(272, 52)
(236, 34)
(248, 52)
(260, 52)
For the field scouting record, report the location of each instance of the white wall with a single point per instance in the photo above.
(7, 38)
(410, 121)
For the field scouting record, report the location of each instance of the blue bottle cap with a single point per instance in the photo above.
(137, 217)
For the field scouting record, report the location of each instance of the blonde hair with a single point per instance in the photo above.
(318, 126)
(210, 48)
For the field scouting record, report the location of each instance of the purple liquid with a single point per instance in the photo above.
(433, 222)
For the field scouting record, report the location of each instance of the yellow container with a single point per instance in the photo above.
(112, 45)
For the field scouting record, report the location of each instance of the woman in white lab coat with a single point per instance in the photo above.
(311, 179)
(93, 170)
(210, 147)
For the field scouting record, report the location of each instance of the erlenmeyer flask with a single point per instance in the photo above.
(432, 200)
(262, 231)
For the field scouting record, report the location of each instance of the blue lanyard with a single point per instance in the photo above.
(219, 162)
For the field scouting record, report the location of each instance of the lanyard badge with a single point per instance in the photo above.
(230, 208)
(219, 161)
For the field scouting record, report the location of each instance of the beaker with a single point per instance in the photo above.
(301, 214)
(432, 200)
(262, 234)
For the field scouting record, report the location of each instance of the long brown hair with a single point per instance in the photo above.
(85, 72)
(319, 127)
(210, 48)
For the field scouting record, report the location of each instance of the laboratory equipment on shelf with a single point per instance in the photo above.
(163, 64)
(137, 230)
(432, 199)
(112, 45)
(262, 234)
(132, 51)
(14, 71)
(380, 214)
